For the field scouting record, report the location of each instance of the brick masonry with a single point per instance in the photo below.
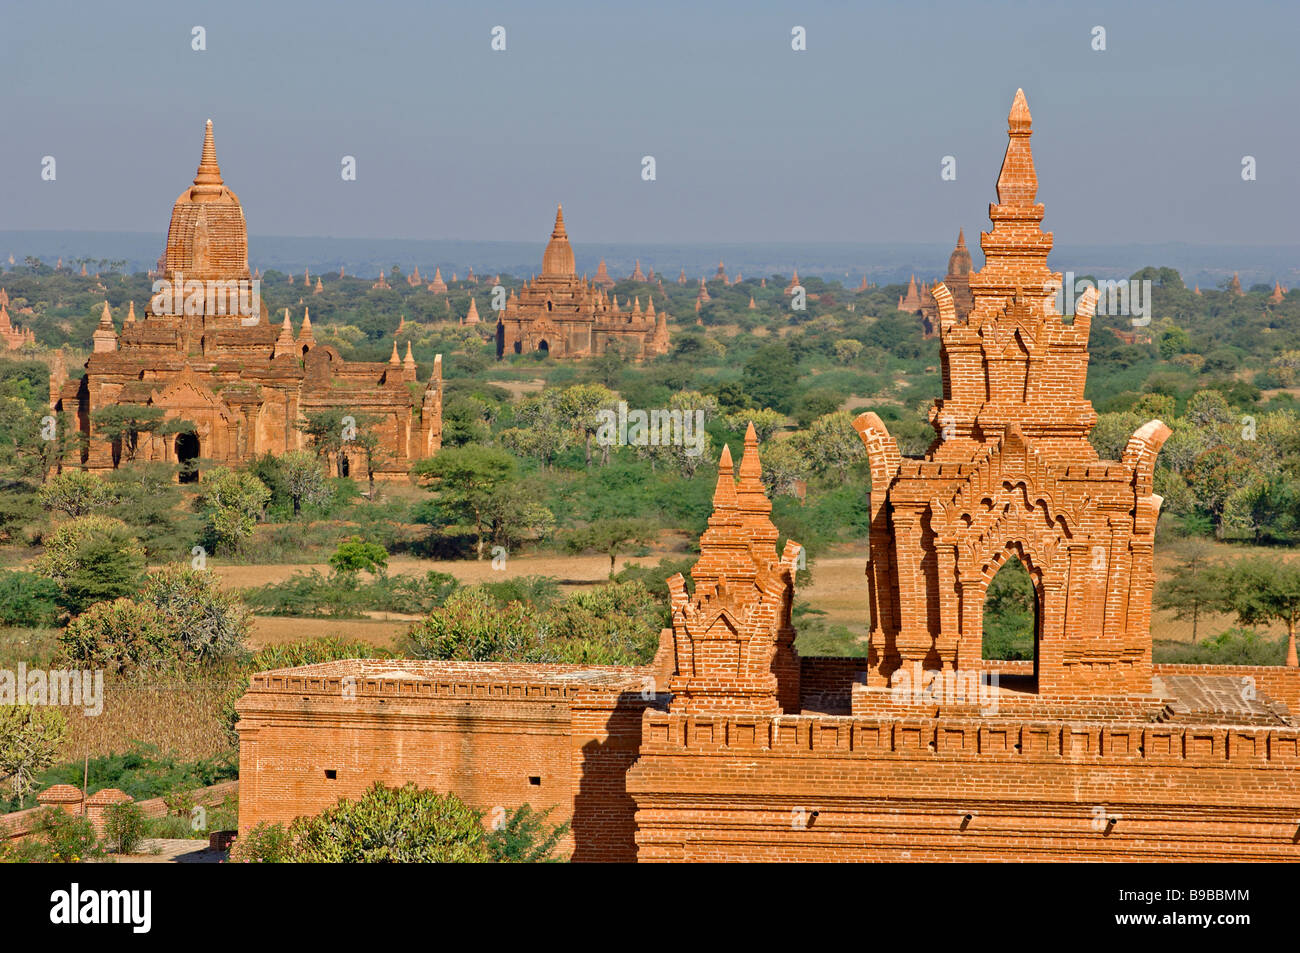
(731, 747)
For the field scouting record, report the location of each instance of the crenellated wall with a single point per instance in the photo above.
(816, 788)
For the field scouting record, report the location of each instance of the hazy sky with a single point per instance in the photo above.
(752, 141)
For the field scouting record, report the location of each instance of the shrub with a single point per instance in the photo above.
(58, 838)
(231, 503)
(93, 559)
(122, 636)
(30, 738)
(207, 623)
(75, 493)
(354, 555)
(524, 837)
(28, 599)
(473, 627)
(392, 825)
(124, 827)
(264, 844)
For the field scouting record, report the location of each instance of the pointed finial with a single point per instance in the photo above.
(209, 172)
(751, 468)
(558, 231)
(1019, 120)
(961, 238)
(724, 495)
(394, 359)
(409, 360)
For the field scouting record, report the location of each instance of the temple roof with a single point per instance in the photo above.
(208, 237)
(558, 261)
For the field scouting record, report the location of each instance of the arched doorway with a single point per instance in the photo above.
(344, 465)
(1012, 615)
(543, 347)
(187, 455)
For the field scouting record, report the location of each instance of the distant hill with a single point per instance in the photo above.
(1206, 265)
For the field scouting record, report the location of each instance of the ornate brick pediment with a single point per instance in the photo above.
(187, 392)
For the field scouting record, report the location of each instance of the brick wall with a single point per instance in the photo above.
(718, 788)
(498, 736)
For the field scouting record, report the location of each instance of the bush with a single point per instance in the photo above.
(1234, 646)
(342, 595)
(30, 738)
(93, 559)
(524, 837)
(122, 636)
(58, 838)
(354, 555)
(392, 825)
(124, 827)
(264, 844)
(28, 599)
(207, 623)
(474, 627)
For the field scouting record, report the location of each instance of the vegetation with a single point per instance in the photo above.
(403, 825)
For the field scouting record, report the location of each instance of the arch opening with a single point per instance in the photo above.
(1012, 618)
(187, 455)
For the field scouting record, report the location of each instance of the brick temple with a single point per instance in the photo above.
(957, 281)
(730, 746)
(564, 316)
(240, 383)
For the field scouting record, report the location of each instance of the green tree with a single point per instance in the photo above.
(326, 431)
(304, 480)
(122, 636)
(124, 424)
(231, 502)
(124, 826)
(206, 623)
(1263, 591)
(355, 555)
(93, 559)
(578, 405)
(1193, 587)
(28, 599)
(830, 445)
(464, 481)
(473, 627)
(612, 537)
(771, 377)
(766, 422)
(524, 837)
(76, 493)
(30, 740)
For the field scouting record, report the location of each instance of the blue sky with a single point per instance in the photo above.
(753, 141)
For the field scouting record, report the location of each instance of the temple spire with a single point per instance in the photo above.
(751, 468)
(209, 172)
(1017, 181)
(558, 231)
(724, 496)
